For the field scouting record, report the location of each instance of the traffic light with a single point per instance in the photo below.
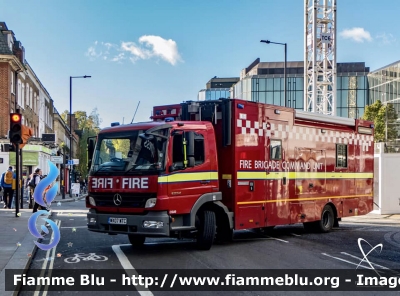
(26, 133)
(15, 134)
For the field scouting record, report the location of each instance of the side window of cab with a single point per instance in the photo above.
(193, 158)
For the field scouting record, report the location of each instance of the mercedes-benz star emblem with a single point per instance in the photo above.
(117, 199)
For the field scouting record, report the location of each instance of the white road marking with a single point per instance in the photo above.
(44, 265)
(252, 239)
(278, 239)
(295, 234)
(347, 254)
(129, 269)
(343, 260)
(270, 237)
(51, 262)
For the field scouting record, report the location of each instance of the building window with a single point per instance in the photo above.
(276, 149)
(341, 156)
(23, 96)
(19, 94)
(27, 94)
(12, 82)
(30, 97)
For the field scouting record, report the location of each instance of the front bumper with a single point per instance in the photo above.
(134, 223)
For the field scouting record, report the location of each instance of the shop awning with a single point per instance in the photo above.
(28, 158)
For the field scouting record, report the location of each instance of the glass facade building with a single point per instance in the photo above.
(213, 94)
(217, 88)
(384, 85)
(263, 82)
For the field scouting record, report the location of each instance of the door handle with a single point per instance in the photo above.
(204, 181)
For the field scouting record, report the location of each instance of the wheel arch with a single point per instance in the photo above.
(212, 202)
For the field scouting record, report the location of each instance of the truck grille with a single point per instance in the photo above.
(136, 200)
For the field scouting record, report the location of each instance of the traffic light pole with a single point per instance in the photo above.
(20, 183)
(17, 192)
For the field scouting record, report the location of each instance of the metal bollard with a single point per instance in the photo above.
(62, 192)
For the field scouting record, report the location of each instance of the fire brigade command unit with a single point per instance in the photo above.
(203, 169)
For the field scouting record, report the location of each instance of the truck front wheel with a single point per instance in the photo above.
(136, 240)
(206, 230)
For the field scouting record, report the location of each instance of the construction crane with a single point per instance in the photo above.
(320, 56)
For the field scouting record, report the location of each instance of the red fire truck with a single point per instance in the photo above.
(202, 169)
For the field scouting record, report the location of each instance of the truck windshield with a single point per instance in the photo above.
(126, 153)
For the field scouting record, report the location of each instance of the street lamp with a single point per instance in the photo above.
(70, 128)
(284, 73)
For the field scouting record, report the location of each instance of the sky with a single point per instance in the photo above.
(148, 53)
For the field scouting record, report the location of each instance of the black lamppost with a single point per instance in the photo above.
(284, 73)
(70, 128)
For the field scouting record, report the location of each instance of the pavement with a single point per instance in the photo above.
(18, 248)
(374, 218)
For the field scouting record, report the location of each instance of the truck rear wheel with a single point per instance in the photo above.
(206, 230)
(136, 240)
(327, 219)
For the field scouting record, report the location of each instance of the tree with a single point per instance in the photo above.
(377, 113)
(88, 127)
(64, 115)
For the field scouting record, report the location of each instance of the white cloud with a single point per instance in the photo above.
(119, 57)
(149, 47)
(357, 34)
(387, 38)
(92, 53)
(166, 49)
(135, 50)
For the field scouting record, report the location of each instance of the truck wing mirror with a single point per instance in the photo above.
(190, 148)
(191, 161)
(90, 151)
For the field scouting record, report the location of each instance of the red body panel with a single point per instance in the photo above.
(262, 191)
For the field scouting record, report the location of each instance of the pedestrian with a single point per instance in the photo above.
(36, 178)
(30, 191)
(7, 183)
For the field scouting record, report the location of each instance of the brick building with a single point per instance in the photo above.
(21, 89)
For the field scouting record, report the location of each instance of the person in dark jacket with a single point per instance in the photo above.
(37, 177)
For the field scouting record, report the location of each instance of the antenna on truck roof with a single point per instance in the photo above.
(135, 112)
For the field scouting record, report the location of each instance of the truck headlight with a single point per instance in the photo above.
(92, 201)
(151, 202)
(153, 224)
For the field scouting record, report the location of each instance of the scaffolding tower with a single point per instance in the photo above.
(320, 56)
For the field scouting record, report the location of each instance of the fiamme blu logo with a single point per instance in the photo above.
(38, 196)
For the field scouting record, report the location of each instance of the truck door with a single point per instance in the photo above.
(277, 206)
(310, 183)
(186, 185)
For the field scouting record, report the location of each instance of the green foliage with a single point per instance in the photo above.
(64, 116)
(377, 113)
(89, 126)
(122, 146)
